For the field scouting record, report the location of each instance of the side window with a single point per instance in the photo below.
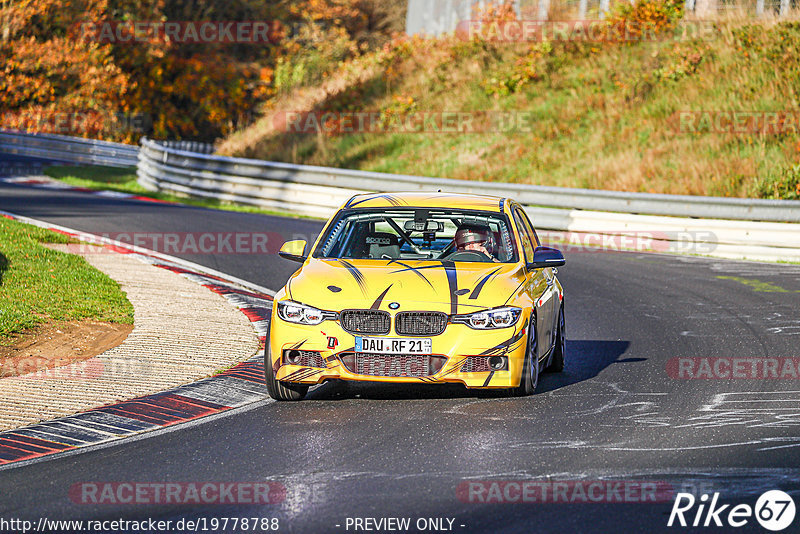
(529, 227)
(524, 235)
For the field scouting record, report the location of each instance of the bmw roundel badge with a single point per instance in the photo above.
(394, 305)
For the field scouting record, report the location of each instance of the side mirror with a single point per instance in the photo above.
(546, 257)
(293, 250)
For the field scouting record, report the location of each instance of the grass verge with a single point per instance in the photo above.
(124, 181)
(39, 285)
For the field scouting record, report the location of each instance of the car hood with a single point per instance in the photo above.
(449, 287)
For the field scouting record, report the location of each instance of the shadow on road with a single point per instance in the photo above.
(585, 360)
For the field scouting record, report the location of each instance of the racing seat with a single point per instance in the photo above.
(382, 244)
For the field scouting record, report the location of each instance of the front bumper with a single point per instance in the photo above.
(456, 345)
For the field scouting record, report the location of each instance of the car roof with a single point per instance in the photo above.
(426, 199)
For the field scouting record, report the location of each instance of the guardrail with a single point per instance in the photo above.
(723, 227)
(319, 190)
(190, 146)
(736, 228)
(62, 148)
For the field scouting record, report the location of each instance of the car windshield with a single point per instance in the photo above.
(419, 234)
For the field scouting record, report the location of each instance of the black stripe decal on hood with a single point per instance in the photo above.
(452, 279)
(479, 287)
(410, 268)
(415, 270)
(452, 282)
(359, 277)
(377, 304)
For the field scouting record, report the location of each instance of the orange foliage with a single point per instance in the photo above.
(645, 18)
(46, 79)
(51, 71)
(495, 13)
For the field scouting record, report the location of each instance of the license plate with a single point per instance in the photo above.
(393, 345)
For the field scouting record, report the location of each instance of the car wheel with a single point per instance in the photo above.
(557, 361)
(280, 391)
(530, 369)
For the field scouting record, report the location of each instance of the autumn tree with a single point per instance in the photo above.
(57, 65)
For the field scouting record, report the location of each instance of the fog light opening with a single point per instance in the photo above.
(497, 362)
(292, 356)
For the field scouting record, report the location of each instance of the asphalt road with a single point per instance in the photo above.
(614, 414)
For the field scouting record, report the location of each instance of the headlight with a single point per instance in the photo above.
(294, 312)
(489, 319)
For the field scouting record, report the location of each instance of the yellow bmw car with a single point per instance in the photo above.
(414, 288)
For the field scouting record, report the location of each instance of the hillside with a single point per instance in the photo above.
(649, 115)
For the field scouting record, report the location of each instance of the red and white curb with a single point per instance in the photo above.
(45, 182)
(241, 385)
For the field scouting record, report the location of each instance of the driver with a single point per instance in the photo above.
(475, 238)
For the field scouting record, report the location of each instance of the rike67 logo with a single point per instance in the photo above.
(774, 510)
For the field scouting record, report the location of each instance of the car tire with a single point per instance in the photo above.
(530, 368)
(280, 391)
(557, 360)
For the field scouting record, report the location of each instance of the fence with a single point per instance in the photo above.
(435, 17)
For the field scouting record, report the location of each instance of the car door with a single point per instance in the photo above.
(554, 301)
(537, 287)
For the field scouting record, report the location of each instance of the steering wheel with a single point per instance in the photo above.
(468, 255)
